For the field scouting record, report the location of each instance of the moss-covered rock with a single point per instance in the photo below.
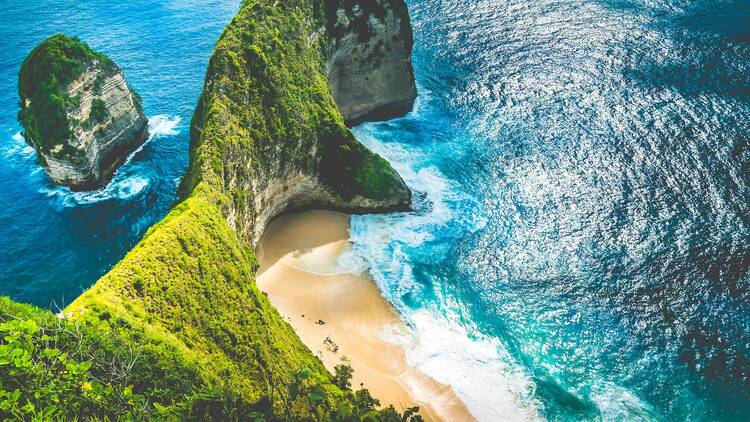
(78, 112)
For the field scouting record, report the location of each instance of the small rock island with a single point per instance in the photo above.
(78, 112)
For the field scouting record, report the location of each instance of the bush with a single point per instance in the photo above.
(98, 111)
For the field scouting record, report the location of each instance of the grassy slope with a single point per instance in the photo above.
(189, 284)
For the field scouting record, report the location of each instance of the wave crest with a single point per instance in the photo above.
(164, 125)
(117, 189)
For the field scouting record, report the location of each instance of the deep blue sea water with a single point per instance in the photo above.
(580, 246)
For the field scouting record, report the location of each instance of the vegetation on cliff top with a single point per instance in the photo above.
(43, 77)
(209, 345)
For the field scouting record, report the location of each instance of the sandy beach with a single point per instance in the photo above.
(343, 315)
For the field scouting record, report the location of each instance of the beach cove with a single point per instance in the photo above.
(341, 316)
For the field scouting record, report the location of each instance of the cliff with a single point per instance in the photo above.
(78, 112)
(266, 137)
(368, 60)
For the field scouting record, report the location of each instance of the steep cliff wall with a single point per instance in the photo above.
(78, 112)
(368, 59)
(266, 137)
(267, 132)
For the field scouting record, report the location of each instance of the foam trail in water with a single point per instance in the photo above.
(19, 147)
(493, 386)
(119, 187)
(616, 403)
(158, 126)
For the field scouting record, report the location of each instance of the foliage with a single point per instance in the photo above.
(44, 74)
(52, 369)
(98, 110)
(342, 376)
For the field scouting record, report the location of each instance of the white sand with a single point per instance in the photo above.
(298, 269)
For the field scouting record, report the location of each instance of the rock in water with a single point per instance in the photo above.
(78, 112)
(369, 58)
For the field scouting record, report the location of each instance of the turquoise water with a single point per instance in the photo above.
(580, 244)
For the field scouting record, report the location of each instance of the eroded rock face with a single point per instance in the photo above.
(102, 145)
(78, 112)
(268, 135)
(369, 58)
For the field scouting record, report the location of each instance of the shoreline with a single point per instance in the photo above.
(339, 314)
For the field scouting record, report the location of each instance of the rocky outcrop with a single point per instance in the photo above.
(369, 58)
(78, 112)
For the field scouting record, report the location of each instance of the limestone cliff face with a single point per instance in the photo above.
(78, 112)
(369, 58)
(268, 103)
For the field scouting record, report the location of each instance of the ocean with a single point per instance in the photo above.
(580, 243)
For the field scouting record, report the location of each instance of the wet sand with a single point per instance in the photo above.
(338, 314)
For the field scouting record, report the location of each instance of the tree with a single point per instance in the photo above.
(342, 376)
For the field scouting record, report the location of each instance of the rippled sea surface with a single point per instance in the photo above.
(581, 240)
(581, 245)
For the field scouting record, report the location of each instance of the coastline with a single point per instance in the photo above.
(339, 314)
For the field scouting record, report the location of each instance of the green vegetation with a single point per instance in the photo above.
(178, 329)
(45, 73)
(98, 110)
(53, 369)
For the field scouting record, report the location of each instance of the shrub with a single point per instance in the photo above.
(98, 111)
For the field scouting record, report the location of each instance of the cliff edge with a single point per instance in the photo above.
(267, 133)
(78, 112)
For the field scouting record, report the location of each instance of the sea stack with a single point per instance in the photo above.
(78, 112)
(369, 58)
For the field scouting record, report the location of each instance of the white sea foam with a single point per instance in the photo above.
(616, 403)
(118, 189)
(163, 125)
(121, 186)
(482, 374)
(158, 126)
(18, 147)
(443, 346)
